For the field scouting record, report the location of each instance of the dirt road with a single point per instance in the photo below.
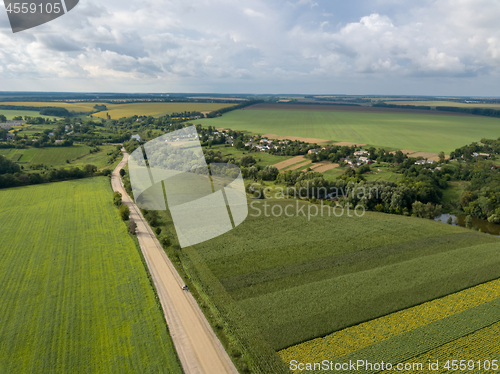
(198, 348)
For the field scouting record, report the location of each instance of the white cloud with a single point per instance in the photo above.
(252, 13)
(262, 45)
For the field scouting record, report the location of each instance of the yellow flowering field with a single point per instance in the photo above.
(475, 349)
(351, 339)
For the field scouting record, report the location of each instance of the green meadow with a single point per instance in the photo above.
(293, 279)
(14, 113)
(77, 155)
(75, 294)
(262, 158)
(397, 129)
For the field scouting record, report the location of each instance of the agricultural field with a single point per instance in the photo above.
(117, 111)
(479, 347)
(77, 155)
(395, 129)
(262, 158)
(75, 295)
(76, 107)
(382, 172)
(14, 113)
(434, 330)
(293, 279)
(436, 103)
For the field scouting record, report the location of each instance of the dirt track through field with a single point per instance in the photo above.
(323, 166)
(284, 164)
(197, 346)
(349, 144)
(300, 165)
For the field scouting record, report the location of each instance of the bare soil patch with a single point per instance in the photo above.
(324, 166)
(284, 164)
(298, 166)
(427, 155)
(350, 144)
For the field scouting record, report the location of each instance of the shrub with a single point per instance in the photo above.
(117, 198)
(122, 172)
(468, 222)
(158, 230)
(494, 219)
(132, 227)
(165, 241)
(124, 212)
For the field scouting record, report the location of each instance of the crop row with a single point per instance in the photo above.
(368, 333)
(477, 347)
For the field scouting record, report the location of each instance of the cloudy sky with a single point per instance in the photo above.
(426, 47)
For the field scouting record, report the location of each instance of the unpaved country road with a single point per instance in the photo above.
(198, 348)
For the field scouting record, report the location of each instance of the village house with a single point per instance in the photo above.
(361, 153)
(475, 154)
(364, 160)
(13, 123)
(5, 126)
(423, 162)
(315, 151)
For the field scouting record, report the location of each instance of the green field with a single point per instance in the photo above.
(294, 279)
(116, 111)
(75, 295)
(436, 103)
(77, 154)
(262, 158)
(395, 129)
(443, 327)
(14, 113)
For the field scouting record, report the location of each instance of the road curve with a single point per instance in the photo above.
(198, 348)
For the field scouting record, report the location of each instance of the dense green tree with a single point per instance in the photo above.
(124, 212)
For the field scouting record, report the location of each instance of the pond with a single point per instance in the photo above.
(459, 220)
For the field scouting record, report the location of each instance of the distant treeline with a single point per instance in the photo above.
(54, 111)
(384, 105)
(325, 103)
(17, 107)
(221, 111)
(45, 111)
(488, 112)
(476, 111)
